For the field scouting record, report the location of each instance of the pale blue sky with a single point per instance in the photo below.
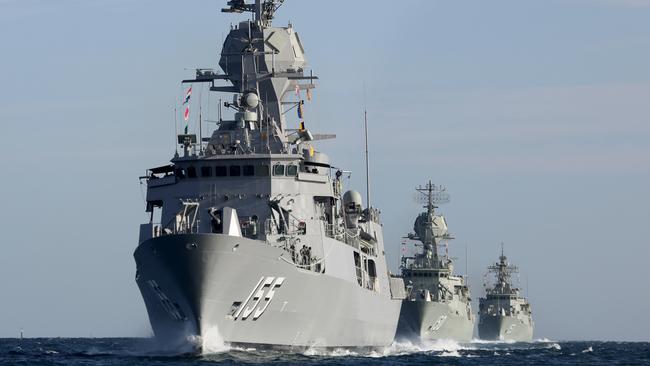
(534, 113)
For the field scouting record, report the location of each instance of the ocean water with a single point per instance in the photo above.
(138, 351)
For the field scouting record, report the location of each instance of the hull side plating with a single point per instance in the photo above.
(505, 328)
(195, 283)
(429, 320)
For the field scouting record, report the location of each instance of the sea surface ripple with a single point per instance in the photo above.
(140, 351)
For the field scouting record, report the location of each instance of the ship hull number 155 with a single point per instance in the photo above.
(259, 298)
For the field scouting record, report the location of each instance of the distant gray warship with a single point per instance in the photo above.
(504, 314)
(250, 236)
(437, 305)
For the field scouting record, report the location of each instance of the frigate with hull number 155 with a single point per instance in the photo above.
(250, 233)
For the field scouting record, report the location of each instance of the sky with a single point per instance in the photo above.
(534, 114)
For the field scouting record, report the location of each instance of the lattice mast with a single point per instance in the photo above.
(432, 195)
(503, 271)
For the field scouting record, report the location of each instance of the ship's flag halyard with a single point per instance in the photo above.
(188, 94)
(300, 109)
(186, 103)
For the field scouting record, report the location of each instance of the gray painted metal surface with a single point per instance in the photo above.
(504, 314)
(250, 233)
(437, 303)
(505, 328)
(435, 320)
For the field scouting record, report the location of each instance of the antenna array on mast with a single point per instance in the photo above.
(431, 194)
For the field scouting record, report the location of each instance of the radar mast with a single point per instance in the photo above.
(427, 223)
(263, 9)
(503, 271)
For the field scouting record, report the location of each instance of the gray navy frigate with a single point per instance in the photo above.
(504, 313)
(437, 304)
(250, 232)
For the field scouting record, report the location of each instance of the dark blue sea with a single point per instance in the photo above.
(133, 351)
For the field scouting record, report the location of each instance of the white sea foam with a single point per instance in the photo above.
(483, 341)
(542, 340)
(450, 354)
(212, 342)
(590, 349)
(336, 352)
(444, 347)
(555, 346)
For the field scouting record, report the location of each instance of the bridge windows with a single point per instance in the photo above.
(278, 169)
(206, 171)
(262, 170)
(235, 170)
(220, 171)
(285, 170)
(249, 170)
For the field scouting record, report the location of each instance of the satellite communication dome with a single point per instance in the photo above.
(251, 100)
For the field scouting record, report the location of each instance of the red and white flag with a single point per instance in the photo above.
(186, 116)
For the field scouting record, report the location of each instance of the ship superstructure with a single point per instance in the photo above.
(504, 313)
(437, 303)
(251, 235)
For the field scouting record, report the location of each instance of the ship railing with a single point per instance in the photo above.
(330, 231)
(371, 214)
(189, 229)
(156, 229)
(292, 246)
(351, 239)
(295, 227)
(270, 228)
(150, 230)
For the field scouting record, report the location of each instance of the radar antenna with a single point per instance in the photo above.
(263, 9)
(503, 272)
(431, 196)
(428, 227)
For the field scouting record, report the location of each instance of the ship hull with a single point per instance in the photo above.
(431, 320)
(243, 291)
(505, 328)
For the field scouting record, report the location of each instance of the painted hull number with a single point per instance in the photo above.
(259, 298)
